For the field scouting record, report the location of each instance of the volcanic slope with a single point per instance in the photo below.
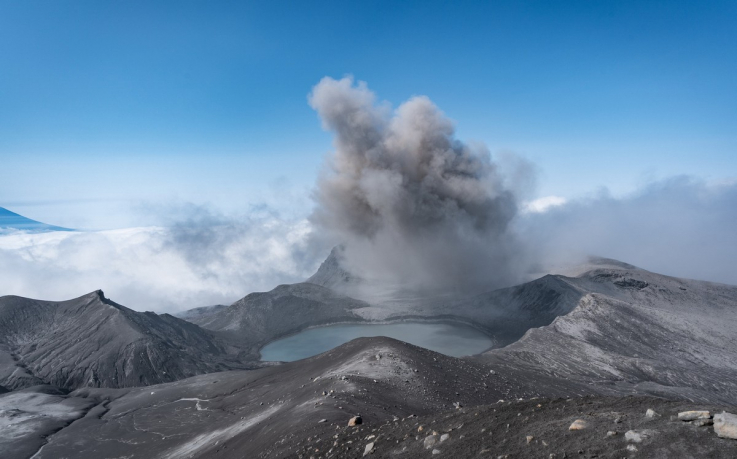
(92, 341)
(606, 324)
(637, 331)
(403, 394)
(263, 413)
(258, 318)
(654, 328)
(612, 428)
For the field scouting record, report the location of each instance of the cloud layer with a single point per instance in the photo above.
(681, 226)
(201, 261)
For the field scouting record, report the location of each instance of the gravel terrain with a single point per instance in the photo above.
(535, 428)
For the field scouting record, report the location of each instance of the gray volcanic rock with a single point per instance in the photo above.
(201, 314)
(92, 341)
(28, 416)
(638, 331)
(266, 413)
(536, 428)
(259, 318)
(725, 425)
(506, 314)
(273, 412)
(331, 274)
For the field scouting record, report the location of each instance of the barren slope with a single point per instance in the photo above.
(639, 331)
(268, 412)
(258, 318)
(92, 341)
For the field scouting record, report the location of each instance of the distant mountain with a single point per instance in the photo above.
(91, 341)
(11, 220)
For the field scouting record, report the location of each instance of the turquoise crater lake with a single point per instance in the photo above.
(450, 339)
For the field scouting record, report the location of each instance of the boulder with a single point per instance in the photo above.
(637, 436)
(725, 425)
(354, 421)
(368, 449)
(578, 424)
(693, 415)
(430, 441)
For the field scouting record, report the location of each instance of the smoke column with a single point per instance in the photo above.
(410, 203)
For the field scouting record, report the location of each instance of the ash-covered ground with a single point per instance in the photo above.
(605, 427)
(602, 344)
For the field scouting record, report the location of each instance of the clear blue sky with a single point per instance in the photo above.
(106, 107)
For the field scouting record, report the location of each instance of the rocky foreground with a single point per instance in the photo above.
(584, 427)
(302, 409)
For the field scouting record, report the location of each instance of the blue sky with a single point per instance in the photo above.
(111, 109)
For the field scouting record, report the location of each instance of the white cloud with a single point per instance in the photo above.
(680, 226)
(543, 204)
(155, 268)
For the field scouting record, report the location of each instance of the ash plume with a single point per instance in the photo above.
(409, 202)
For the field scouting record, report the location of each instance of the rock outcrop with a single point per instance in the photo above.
(92, 341)
(725, 425)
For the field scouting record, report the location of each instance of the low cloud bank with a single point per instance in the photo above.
(200, 261)
(680, 226)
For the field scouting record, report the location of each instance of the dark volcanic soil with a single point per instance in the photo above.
(502, 430)
(605, 337)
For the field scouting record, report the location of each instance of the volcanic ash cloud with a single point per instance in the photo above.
(410, 203)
